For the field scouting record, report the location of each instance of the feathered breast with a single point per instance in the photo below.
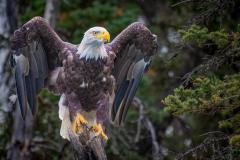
(87, 79)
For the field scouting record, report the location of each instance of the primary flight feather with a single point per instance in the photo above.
(97, 80)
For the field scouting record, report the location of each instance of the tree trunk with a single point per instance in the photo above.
(21, 137)
(51, 11)
(6, 27)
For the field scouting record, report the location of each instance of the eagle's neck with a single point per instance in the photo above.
(91, 51)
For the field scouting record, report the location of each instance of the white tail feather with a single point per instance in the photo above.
(62, 107)
(64, 116)
(66, 124)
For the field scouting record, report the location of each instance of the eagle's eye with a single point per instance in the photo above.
(95, 32)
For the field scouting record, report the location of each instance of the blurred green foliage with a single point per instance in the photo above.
(207, 93)
(77, 16)
(201, 36)
(210, 95)
(215, 84)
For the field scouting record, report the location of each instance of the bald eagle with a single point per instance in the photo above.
(96, 80)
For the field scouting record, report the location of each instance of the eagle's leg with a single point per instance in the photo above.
(97, 128)
(78, 123)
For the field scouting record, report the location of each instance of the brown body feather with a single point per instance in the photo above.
(87, 84)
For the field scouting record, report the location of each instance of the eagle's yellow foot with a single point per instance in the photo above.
(78, 123)
(97, 128)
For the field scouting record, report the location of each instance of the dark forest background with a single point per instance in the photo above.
(187, 106)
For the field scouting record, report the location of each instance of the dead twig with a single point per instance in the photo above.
(210, 142)
(140, 119)
(181, 2)
(156, 153)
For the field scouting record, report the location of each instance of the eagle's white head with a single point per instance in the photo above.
(92, 45)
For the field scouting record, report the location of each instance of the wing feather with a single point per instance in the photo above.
(35, 48)
(30, 74)
(21, 84)
(134, 48)
(134, 80)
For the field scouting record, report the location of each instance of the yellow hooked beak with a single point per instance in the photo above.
(104, 36)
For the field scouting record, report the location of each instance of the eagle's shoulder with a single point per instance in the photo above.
(110, 52)
(68, 53)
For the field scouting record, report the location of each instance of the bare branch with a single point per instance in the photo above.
(156, 153)
(210, 142)
(140, 105)
(181, 2)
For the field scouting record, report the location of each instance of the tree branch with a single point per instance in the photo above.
(85, 147)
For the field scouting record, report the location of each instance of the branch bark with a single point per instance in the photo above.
(86, 148)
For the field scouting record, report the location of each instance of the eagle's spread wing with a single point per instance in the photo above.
(133, 47)
(35, 48)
